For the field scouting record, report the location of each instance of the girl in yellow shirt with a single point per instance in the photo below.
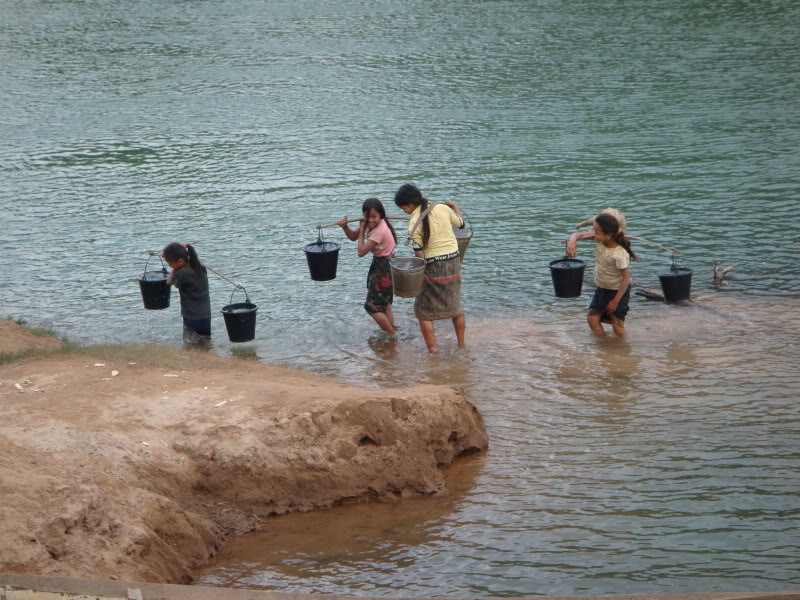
(435, 242)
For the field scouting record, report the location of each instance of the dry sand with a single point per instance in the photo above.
(140, 471)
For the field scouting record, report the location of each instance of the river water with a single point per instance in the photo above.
(665, 463)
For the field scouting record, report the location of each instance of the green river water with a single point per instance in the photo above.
(668, 463)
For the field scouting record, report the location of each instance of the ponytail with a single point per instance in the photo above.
(610, 226)
(426, 226)
(625, 243)
(175, 251)
(194, 260)
(410, 194)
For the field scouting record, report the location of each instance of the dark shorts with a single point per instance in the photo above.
(196, 331)
(600, 301)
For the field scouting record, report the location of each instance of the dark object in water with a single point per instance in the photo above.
(650, 293)
(567, 274)
(676, 283)
(322, 258)
(240, 319)
(719, 273)
(154, 288)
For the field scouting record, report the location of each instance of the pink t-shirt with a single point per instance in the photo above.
(383, 236)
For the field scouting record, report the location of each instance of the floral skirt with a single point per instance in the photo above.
(441, 289)
(379, 285)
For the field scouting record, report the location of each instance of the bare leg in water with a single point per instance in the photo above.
(460, 325)
(385, 320)
(429, 335)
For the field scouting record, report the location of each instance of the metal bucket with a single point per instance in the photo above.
(408, 275)
(463, 238)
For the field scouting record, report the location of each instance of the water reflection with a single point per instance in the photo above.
(346, 538)
(384, 347)
(245, 352)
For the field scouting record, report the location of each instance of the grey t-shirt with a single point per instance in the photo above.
(195, 303)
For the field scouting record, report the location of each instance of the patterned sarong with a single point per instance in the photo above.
(379, 285)
(441, 289)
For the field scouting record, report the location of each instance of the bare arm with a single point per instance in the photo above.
(365, 246)
(456, 209)
(351, 234)
(626, 281)
(572, 242)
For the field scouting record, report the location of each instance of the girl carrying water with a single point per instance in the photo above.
(611, 273)
(191, 279)
(375, 234)
(435, 242)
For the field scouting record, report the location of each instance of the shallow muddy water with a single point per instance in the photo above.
(665, 463)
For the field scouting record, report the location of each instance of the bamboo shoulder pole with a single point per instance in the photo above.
(633, 237)
(357, 220)
(641, 239)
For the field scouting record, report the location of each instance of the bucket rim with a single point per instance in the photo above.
(319, 243)
(142, 277)
(231, 307)
(420, 262)
(567, 260)
(676, 272)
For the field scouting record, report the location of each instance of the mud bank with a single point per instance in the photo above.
(138, 463)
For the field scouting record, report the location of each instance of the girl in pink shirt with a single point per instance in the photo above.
(376, 235)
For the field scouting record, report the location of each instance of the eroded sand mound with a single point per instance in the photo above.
(15, 338)
(142, 474)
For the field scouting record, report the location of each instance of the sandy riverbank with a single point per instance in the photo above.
(138, 463)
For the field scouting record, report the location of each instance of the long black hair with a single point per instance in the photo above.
(174, 251)
(410, 194)
(375, 204)
(610, 226)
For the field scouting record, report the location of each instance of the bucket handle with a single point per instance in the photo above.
(240, 287)
(467, 222)
(152, 254)
(568, 259)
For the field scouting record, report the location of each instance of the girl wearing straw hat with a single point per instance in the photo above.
(434, 241)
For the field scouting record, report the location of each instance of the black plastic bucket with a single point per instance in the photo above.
(567, 274)
(322, 259)
(154, 288)
(676, 283)
(240, 319)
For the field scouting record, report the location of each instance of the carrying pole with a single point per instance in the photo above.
(357, 220)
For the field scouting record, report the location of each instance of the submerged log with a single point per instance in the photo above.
(650, 294)
(719, 273)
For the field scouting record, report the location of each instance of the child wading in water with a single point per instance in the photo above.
(190, 277)
(375, 234)
(435, 242)
(611, 273)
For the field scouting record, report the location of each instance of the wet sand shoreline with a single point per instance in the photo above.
(139, 462)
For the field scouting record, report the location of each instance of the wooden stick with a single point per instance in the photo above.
(633, 237)
(356, 220)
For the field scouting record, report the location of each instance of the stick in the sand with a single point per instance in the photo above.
(356, 220)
